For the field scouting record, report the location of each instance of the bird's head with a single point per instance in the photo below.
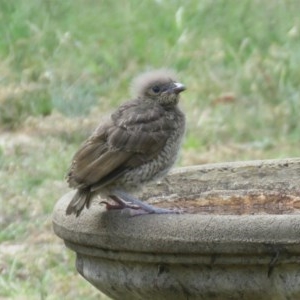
(160, 86)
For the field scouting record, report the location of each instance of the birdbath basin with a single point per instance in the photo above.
(238, 239)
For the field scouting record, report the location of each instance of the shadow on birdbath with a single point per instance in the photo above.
(240, 237)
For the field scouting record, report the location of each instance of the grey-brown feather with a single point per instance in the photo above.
(138, 144)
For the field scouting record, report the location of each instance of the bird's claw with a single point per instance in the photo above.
(110, 206)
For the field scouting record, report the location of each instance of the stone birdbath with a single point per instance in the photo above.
(239, 237)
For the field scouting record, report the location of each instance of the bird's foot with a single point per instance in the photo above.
(120, 204)
(141, 208)
(154, 210)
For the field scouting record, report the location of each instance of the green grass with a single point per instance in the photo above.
(66, 64)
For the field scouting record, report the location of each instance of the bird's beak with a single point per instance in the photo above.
(178, 88)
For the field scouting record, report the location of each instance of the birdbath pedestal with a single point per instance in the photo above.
(238, 239)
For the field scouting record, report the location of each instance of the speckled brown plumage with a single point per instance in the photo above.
(139, 143)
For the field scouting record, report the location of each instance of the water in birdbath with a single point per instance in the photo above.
(235, 203)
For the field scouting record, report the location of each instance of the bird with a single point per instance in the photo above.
(139, 143)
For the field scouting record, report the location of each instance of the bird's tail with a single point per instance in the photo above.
(81, 199)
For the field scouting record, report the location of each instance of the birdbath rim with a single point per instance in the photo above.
(187, 232)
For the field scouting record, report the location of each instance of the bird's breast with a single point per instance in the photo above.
(159, 165)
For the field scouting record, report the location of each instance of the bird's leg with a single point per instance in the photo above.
(121, 204)
(142, 205)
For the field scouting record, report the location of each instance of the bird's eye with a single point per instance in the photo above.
(156, 89)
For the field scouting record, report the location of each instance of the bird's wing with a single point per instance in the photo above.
(140, 128)
(94, 160)
(136, 134)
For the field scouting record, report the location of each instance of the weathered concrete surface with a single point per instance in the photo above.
(250, 252)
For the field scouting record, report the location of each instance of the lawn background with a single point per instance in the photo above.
(66, 64)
